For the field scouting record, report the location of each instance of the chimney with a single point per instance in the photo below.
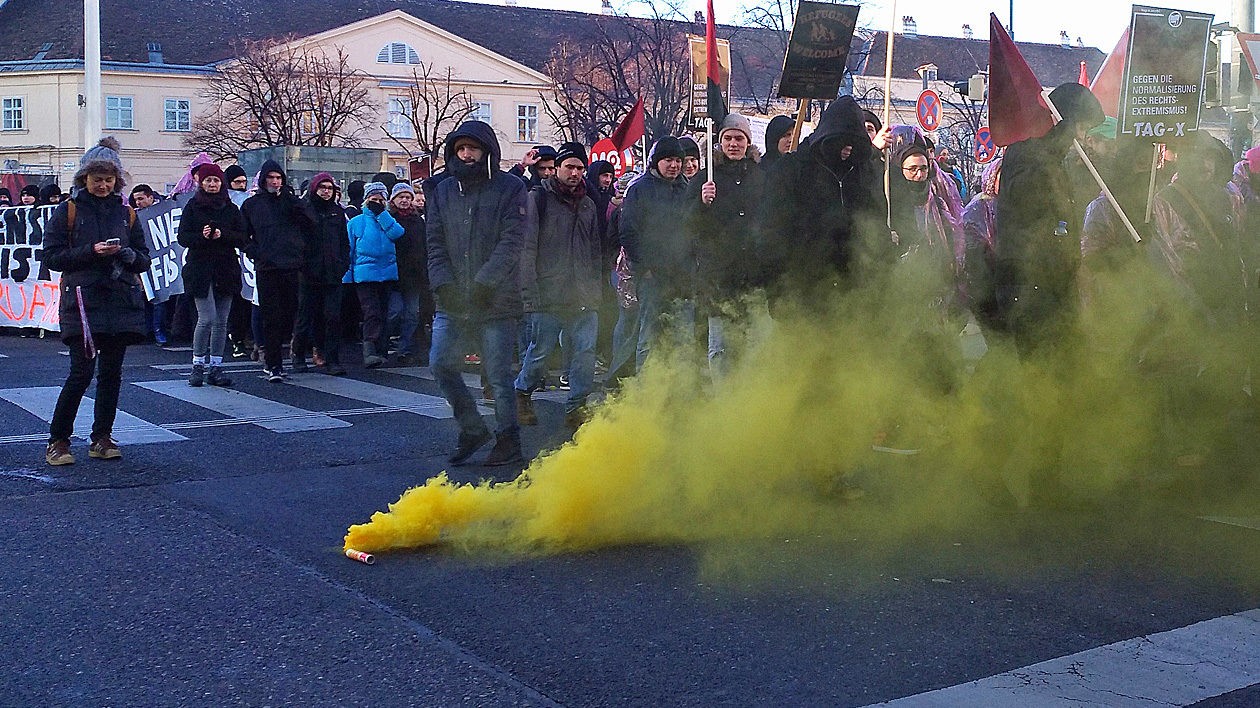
(605, 7)
(155, 53)
(699, 18)
(1064, 40)
(1080, 43)
(967, 33)
(909, 27)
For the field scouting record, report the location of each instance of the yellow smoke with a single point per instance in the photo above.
(868, 390)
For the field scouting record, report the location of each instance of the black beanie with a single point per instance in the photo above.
(31, 189)
(546, 152)
(1077, 104)
(873, 119)
(666, 146)
(689, 147)
(568, 150)
(232, 172)
(354, 191)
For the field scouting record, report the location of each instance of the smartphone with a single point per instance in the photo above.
(113, 242)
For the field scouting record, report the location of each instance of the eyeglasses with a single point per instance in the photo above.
(915, 169)
(324, 188)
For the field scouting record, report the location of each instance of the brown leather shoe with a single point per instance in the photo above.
(104, 449)
(58, 453)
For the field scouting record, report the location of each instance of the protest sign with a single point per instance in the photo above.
(166, 257)
(1162, 93)
(700, 76)
(29, 292)
(818, 50)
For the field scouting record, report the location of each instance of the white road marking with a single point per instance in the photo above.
(1174, 668)
(128, 429)
(274, 416)
(418, 403)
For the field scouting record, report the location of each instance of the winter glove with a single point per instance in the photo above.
(482, 296)
(127, 254)
(375, 207)
(447, 299)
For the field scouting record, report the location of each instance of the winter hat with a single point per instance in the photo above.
(386, 179)
(4, 192)
(546, 152)
(735, 121)
(375, 188)
(1253, 159)
(690, 147)
(354, 191)
(209, 170)
(232, 172)
(101, 158)
(873, 119)
(568, 150)
(778, 127)
(47, 192)
(400, 188)
(667, 146)
(1077, 104)
(31, 189)
(320, 178)
(602, 167)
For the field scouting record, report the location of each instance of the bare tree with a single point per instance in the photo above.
(280, 92)
(436, 103)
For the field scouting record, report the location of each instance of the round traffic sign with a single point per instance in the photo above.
(985, 149)
(928, 110)
(622, 161)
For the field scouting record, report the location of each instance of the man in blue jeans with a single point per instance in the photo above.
(560, 283)
(476, 223)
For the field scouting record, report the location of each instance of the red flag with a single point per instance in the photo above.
(1016, 109)
(713, 70)
(1083, 79)
(1106, 85)
(630, 129)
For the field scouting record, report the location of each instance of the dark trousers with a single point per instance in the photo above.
(278, 300)
(374, 301)
(319, 319)
(108, 369)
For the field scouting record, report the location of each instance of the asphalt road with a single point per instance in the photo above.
(206, 570)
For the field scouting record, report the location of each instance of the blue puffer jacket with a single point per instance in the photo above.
(372, 255)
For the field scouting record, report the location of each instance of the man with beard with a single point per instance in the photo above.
(278, 224)
(476, 223)
(825, 209)
(561, 281)
(1037, 244)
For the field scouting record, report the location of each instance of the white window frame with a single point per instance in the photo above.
(398, 53)
(527, 122)
(185, 113)
(399, 121)
(118, 109)
(482, 111)
(14, 112)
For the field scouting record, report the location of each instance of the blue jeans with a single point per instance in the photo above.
(625, 339)
(450, 337)
(404, 307)
(580, 330)
(658, 316)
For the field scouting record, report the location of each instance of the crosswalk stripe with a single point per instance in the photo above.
(128, 429)
(418, 403)
(1175, 668)
(272, 415)
(473, 381)
(187, 366)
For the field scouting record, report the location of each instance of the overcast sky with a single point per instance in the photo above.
(1097, 22)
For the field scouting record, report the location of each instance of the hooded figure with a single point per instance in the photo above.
(602, 196)
(1037, 242)
(691, 156)
(6, 197)
(825, 205)
(230, 176)
(31, 192)
(779, 126)
(921, 205)
(475, 228)
(354, 195)
(49, 194)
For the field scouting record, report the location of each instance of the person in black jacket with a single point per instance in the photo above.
(100, 255)
(320, 292)
(279, 225)
(476, 224)
(413, 303)
(725, 203)
(211, 228)
(778, 140)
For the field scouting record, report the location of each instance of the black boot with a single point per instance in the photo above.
(217, 377)
(299, 364)
(525, 409)
(468, 444)
(506, 451)
(333, 367)
(198, 375)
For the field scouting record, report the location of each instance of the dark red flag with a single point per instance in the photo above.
(1106, 85)
(713, 70)
(1016, 109)
(630, 129)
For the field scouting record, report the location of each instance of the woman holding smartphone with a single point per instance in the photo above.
(211, 228)
(96, 242)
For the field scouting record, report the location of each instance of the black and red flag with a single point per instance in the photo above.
(713, 70)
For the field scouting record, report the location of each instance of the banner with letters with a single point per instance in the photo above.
(1162, 93)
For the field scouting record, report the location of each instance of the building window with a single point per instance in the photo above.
(526, 123)
(118, 113)
(14, 113)
(178, 114)
(400, 118)
(481, 112)
(397, 53)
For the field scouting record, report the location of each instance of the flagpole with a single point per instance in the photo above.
(1094, 171)
(888, 63)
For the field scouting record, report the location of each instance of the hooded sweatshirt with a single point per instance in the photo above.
(779, 126)
(475, 226)
(278, 225)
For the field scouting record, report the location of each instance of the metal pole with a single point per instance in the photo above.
(92, 73)
(1010, 20)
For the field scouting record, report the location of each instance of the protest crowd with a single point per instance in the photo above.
(555, 263)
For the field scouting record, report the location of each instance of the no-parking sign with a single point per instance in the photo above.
(985, 148)
(928, 110)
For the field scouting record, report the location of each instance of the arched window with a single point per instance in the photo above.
(397, 53)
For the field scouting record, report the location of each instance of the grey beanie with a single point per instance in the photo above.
(375, 188)
(735, 121)
(101, 158)
(400, 188)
